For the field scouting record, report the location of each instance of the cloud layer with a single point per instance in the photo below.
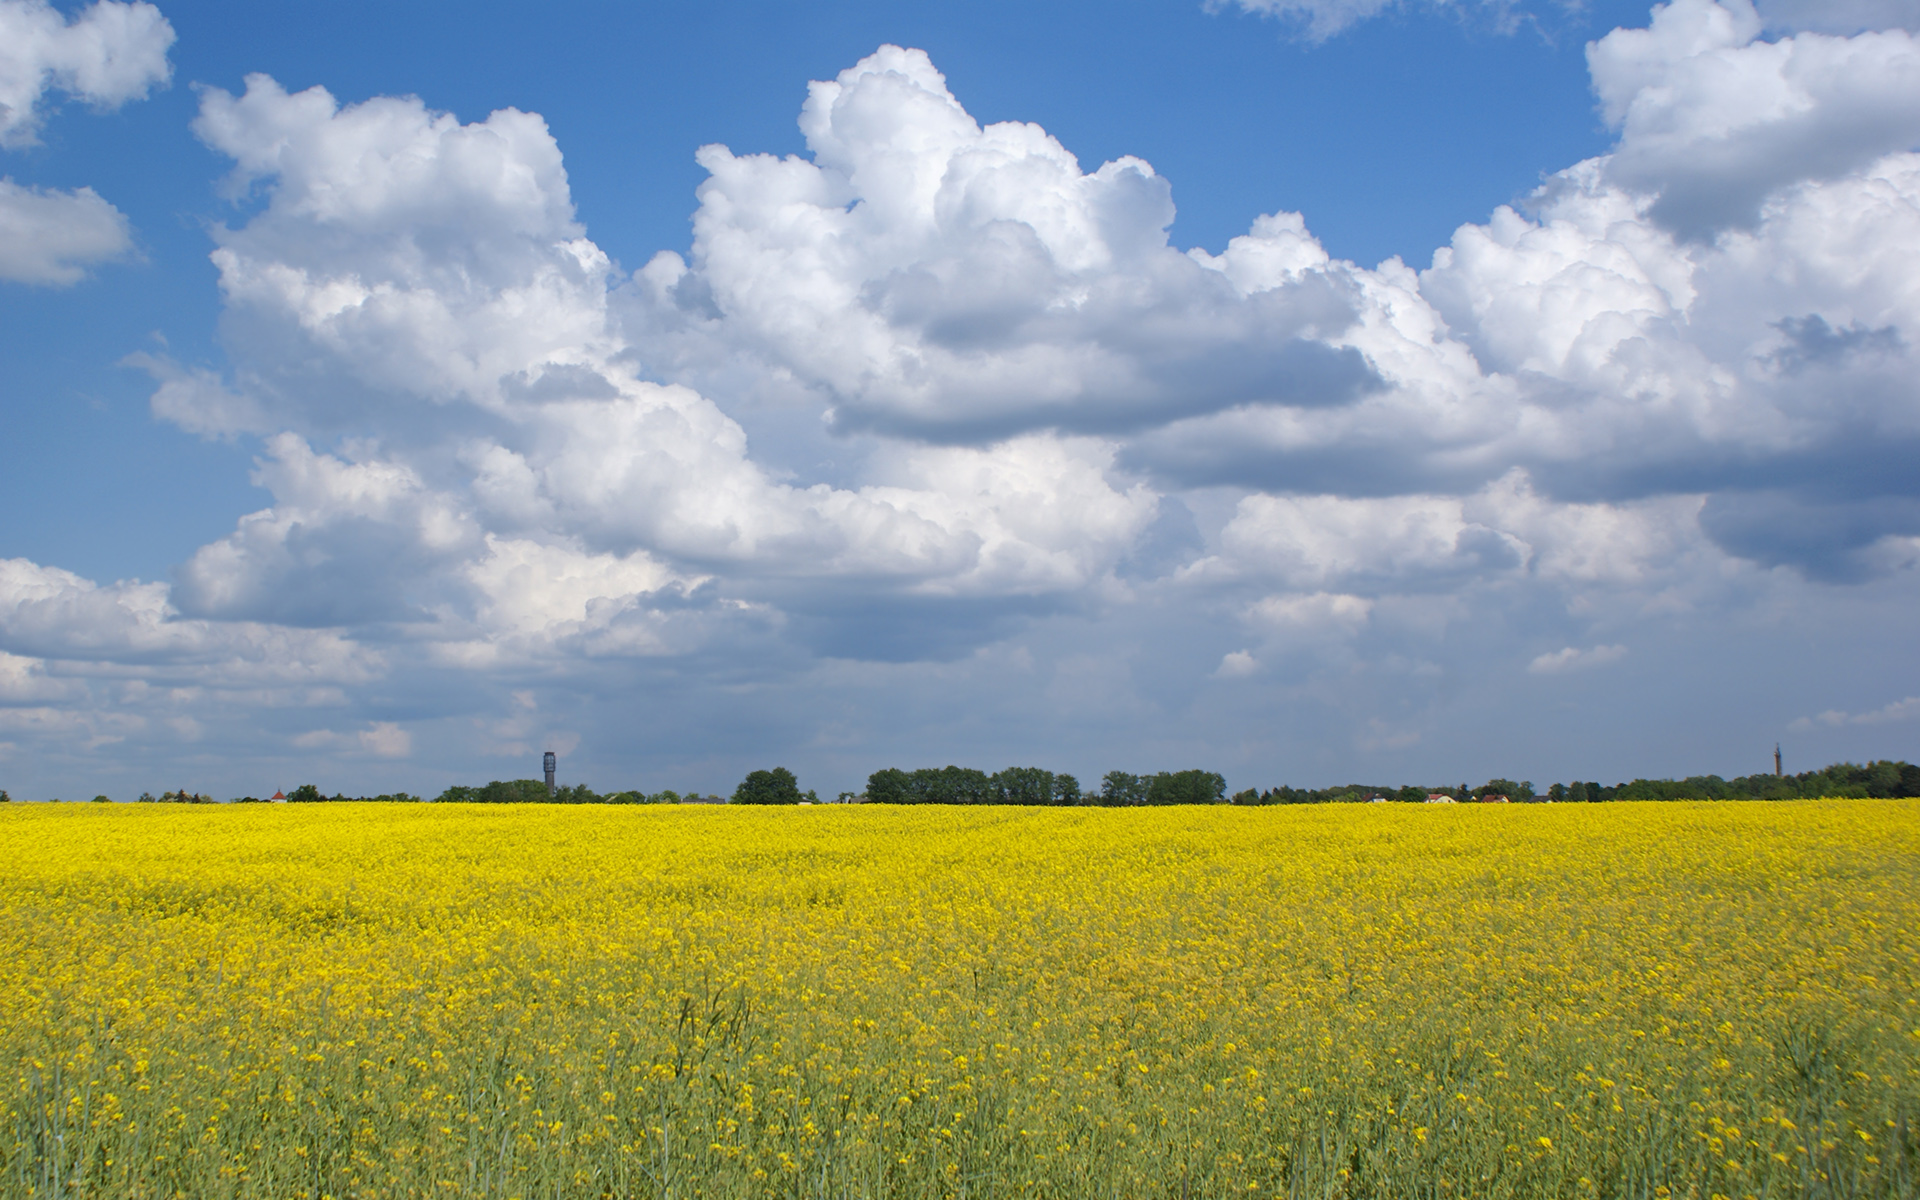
(936, 440)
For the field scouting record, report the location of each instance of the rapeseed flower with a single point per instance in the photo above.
(1682, 1000)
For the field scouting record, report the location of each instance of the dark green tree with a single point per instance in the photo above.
(1118, 789)
(890, 786)
(777, 786)
(953, 785)
(1066, 790)
(513, 791)
(1023, 785)
(306, 793)
(1186, 787)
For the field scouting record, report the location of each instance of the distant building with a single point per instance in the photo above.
(279, 797)
(1495, 798)
(1440, 798)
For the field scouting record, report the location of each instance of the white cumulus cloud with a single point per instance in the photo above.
(927, 276)
(52, 237)
(1236, 664)
(1714, 119)
(1572, 658)
(107, 54)
(406, 259)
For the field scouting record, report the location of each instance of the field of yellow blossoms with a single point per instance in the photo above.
(1677, 1000)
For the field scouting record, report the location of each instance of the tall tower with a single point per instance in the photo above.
(549, 762)
(1776, 758)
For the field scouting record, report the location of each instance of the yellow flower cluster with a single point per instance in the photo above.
(1680, 1000)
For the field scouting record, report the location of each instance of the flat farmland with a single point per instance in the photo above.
(1620, 1000)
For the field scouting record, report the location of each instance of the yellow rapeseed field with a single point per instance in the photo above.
(1621, 1000)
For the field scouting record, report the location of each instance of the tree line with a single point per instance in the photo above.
(1035, 786)
(1031, 786)
(499, 791)
(1879, 780)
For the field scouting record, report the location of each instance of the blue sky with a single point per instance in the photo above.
(1550, 418)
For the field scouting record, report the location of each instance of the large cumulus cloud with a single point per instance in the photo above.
(1614, 339)
(930, 278)
(422, 288)
(1713, 120)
